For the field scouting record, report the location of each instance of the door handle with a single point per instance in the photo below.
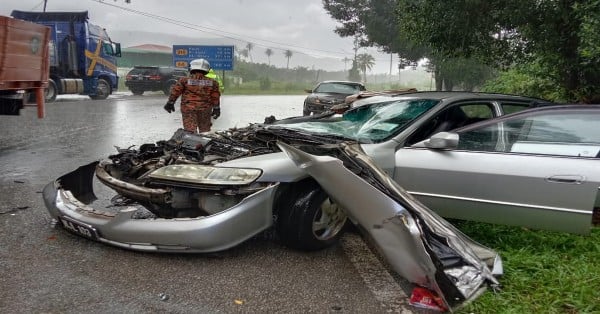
(568, 179)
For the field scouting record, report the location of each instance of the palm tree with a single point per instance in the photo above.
(365, 62)
(269, 53)
(244, 53)
(249, 47)
(288, 55)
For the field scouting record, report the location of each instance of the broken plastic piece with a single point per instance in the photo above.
(426, 299)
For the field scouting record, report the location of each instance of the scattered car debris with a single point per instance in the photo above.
(12, 211)
(163, 296)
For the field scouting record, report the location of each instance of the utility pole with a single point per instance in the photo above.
(391, 55)
(346, 59)
(45, 1)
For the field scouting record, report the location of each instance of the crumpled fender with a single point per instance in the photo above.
(419, 245)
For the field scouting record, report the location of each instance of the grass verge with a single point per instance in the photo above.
(544, 272)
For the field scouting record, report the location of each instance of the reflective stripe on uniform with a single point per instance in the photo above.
(193, 82)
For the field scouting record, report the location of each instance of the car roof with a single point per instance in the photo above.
(342, 82)
(445, 96)
(557, 107)
(457, 95)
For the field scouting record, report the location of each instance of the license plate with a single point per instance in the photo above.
(79, 228)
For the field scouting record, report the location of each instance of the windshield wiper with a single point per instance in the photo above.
(308, 137)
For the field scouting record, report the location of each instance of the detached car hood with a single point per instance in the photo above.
(419, 245)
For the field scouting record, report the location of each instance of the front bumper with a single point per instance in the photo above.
(144, 85)
(68, 200)
(317, 108)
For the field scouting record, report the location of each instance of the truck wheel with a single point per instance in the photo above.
(307, 219)
(137, 92)
(102, 91)
(51, 91)
(9, 106)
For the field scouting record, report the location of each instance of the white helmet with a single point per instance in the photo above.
(199, 64)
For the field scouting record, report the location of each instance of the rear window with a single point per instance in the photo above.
(143, 71)
(165, 71)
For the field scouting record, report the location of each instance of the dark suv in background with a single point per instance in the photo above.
(153, 78)
(329, 93)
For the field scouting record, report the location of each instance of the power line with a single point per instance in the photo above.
(224, 34)
(37, 5)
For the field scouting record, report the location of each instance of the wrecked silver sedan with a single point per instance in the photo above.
(167, 200)
(211, 191)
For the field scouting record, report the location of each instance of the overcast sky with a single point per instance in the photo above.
(302, 26)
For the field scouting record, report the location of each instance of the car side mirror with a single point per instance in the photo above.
(442, 140)
(308, 90)
(117, 49)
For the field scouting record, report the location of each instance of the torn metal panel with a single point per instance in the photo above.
(419, 245)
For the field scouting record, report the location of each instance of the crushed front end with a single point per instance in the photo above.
(170, 196)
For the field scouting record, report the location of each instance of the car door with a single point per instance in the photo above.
(539, 169)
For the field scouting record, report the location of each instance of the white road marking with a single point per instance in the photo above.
(377, 278)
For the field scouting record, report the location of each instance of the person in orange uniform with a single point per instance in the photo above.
(199, 98)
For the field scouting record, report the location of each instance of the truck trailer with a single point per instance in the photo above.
(82, 56)
(23, 64)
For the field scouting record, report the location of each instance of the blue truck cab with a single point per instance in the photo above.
(83, 58)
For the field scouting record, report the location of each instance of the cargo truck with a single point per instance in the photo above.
(24, 64)
(82, 56)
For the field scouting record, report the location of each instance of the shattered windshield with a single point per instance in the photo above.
(339, 88)
(370, 123)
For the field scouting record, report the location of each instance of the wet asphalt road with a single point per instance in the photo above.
(45, 269)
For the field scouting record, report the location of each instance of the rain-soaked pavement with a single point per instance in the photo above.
(45, 269)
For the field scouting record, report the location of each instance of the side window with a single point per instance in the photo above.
(451, 118)
(508, 107)
(107, 48)
(550, 134)
(572, 134)
(482, 139)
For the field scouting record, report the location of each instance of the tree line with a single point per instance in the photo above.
(542, 48)
(358, 72)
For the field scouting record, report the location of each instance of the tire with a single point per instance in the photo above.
(307, 219)
(102, 90)
(304, 111)
(167, 88)
(137, 92)
(51, 91)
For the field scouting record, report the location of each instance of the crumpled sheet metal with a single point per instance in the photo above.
(418, 244)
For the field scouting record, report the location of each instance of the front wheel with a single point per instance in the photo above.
(102, 90)
(308, 219)
(305, 112)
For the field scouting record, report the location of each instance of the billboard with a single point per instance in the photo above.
(219, 57)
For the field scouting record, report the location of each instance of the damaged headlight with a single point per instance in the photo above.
(201, 174)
